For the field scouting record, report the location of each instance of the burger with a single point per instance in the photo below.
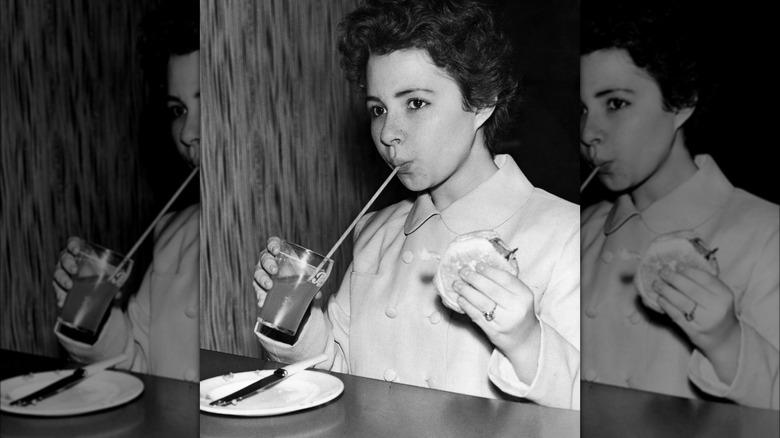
(469, 250)
(675, 251)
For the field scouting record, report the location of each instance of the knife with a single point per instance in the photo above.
(269, 381)
(69, 381)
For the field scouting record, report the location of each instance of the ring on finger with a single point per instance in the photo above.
(490, 315)
(689, 316)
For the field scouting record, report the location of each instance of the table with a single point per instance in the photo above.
(166, 408)
(375, 408)
(610, 411)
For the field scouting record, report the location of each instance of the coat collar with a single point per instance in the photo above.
(486, 207)
(686, 207)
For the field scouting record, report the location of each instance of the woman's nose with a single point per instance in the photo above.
(190, 132)
(591, 132)
(392, 134)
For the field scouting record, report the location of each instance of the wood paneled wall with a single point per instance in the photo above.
(72, 101)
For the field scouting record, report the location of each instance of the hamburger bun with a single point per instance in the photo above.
(469, 250)
(675, 250)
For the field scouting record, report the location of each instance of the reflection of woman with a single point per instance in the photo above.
(437, 89)
(159, 330)
(638, 89)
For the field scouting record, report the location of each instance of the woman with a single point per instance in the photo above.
(159, 330)
(715, 335)
(437, 89)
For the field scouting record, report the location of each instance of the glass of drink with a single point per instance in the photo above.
(300, 276)
(95, 285)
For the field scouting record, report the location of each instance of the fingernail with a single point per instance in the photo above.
(656, 286)
(480, 267)
(457, 285)
(465, 272)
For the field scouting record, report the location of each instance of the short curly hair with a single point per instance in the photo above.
(460, 36)
(657, 37)
(170, 30)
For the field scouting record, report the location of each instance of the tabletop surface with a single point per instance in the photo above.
(166, 408)
(375, 408)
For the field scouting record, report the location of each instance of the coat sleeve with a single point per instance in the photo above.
(324, 332)
(756, 382)
(557, 379)
(124, 332)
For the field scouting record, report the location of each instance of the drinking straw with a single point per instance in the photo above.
(590, 177)
(154, 222)
(354, 222)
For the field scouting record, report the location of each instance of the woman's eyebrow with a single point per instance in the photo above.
(173, 99)
(613, 90)
(412, 90)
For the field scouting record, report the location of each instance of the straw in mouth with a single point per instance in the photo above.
(589, 178)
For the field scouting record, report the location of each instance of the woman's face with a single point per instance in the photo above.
(184, 105)
(418, 121)
(624, 127)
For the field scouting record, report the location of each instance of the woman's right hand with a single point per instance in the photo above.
(266, 267)
(66, 267)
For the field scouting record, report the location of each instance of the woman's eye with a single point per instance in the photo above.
(615, 104)
(416, 104)
(176, 111)
(376, 111)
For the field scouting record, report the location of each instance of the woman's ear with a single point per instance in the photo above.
(482, 116)
(682, 115)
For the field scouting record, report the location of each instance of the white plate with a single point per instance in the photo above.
(302, 390)
(101, 391)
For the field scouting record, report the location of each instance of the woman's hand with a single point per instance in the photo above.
(66, 267)
(265, 268)
(703, 306)
(503, 307)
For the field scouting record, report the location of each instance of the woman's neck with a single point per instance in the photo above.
(672, 172)
(475, 169)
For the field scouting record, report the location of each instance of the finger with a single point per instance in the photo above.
(68, 263)
(268, 262)
(708, 283)
(503, 278)
(673, 296)
(684, 285)
(676, 314)
(274, 245)
(61, 294)
(475, 314)
(63, 280)
(74, 245)
(491, 289)
(476, 298)
(262, 280)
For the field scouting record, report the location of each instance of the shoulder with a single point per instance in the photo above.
(185, 221)
(380, 222)
(550, 212)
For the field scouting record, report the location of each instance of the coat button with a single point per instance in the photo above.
(391, 312)
(435, 318)
(607, 257)
(634, 318)
(191, 311)
(390, 375)
(431, 381)
(590, 375)
(407, 257)
(191, 376)
(591, 313)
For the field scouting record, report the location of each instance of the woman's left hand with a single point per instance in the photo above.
(702, 305)
(500, 304)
